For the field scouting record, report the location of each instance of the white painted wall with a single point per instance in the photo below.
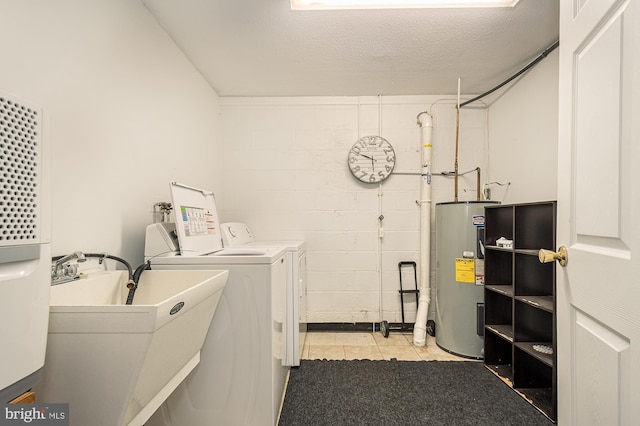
(127, 113)
(523, 134)
(286, 175)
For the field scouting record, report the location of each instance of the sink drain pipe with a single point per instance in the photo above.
(425, 121)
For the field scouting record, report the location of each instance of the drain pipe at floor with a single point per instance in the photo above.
(425, 121)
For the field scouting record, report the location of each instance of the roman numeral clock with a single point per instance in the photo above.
(371, 159)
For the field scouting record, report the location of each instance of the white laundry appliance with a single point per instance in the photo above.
(25, 253)
(237, 234)
(241, 377)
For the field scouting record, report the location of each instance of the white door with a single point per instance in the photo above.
(598, 292)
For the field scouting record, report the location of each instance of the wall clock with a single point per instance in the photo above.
(371, 159)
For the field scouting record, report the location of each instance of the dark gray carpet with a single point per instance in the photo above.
(402, 393)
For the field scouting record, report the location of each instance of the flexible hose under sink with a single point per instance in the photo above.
(133, 283)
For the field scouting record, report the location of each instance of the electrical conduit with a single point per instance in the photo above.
(420, 327)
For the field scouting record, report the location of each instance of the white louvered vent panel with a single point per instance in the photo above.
(20, 166)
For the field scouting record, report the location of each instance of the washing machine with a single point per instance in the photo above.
(240, 379)
(237, 234)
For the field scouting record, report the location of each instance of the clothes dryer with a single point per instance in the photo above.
(237, 234)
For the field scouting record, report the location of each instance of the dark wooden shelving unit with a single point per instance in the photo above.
(520, 320)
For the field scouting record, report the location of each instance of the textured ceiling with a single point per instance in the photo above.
(263, 48)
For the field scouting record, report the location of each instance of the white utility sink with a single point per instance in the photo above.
(114, 363)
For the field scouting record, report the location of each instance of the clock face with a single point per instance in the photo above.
(371, 159)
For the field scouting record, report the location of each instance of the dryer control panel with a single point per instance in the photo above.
(236, 234)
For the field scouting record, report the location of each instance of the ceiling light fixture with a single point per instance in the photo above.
(396, 4)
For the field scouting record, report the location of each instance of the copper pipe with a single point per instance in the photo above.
(455, 165)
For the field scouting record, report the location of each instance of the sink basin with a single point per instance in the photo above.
(114, 363)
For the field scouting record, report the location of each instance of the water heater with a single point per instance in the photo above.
(460, 277)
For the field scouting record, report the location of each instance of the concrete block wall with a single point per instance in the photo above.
(284, 166)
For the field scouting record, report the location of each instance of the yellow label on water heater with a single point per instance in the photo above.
(465, 270)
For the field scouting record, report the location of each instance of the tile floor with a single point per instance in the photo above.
(373, 346)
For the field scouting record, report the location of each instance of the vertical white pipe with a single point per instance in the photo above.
(379, 255)
(380, 226)
(420, 328)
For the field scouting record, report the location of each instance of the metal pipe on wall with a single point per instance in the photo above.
(478, 183)
(455, 165)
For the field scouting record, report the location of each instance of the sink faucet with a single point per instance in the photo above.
(64, 259)
(62, 271)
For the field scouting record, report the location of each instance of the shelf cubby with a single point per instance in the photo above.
(532, 224)
(498, 224)
(532, 324)
(498, 356)
(499, 312)
(532, 278)
(502, 274)
(520, 322)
